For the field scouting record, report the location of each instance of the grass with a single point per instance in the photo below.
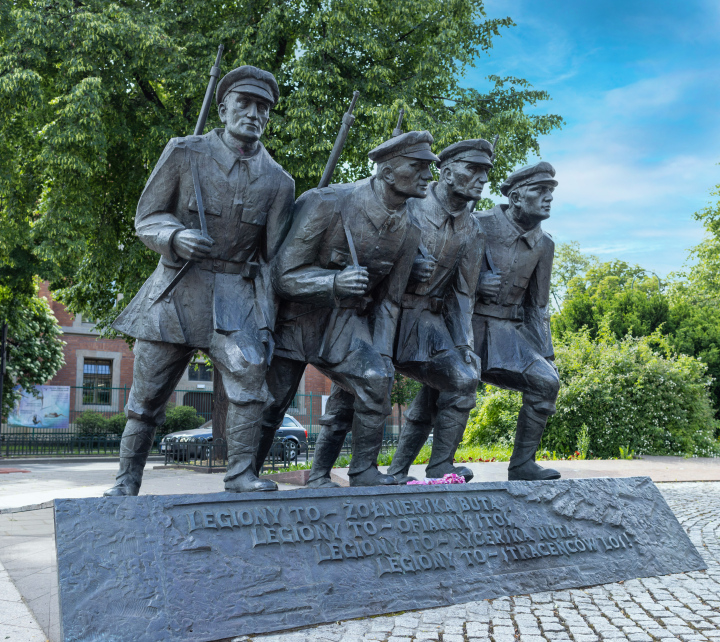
(464, 454)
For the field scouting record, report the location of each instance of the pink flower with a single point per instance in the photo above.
(450, 478)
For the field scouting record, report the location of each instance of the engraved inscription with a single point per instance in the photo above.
(414, 534)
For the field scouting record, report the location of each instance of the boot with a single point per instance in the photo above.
(367, 434)
(267, 437)
(449, 429)
(244, 425)
(530, 428)
(137, 440)
(413, 436)
(327, 449)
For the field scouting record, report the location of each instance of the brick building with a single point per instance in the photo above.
(99, 372)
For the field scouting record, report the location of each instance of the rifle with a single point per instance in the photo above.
(347, 120)
(398, 130)
(199, 128)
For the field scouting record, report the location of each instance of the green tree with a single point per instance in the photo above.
(633, 393)
(404, 391)
(35, 349)
(568, 263)
(625, 299)
(91, 92)
(700, 283)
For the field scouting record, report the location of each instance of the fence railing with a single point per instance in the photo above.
(86, 436)
(199, 452)
(62, 444)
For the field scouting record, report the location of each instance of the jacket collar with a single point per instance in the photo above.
(437, 213)
(378, 213)
(226, 157)
(511, 231)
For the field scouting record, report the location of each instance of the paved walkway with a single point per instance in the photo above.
(47, 480)
(683, 607)
(659, 469)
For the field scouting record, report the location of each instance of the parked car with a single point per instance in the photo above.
(292, 433)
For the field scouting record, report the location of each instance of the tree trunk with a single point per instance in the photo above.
(220, 406)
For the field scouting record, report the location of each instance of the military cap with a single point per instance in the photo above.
(410, 145)
(541, 172)
(477, 150)
(249, 80)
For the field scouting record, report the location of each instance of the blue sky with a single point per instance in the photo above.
(638, 84)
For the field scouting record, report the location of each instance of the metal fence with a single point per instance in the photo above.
(201, 453)
(96, 420)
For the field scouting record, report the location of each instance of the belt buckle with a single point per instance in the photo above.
(218, 265)
(435, 304)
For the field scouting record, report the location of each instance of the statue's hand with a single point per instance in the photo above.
(351, 281)
(489, 286)
(470, 358)
(422, 269)
(191, 244)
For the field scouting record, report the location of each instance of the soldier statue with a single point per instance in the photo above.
(511, 321)
(435, 337)
(224, 304)
(343, 271)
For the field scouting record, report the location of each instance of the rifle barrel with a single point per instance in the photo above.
(209, 92)
(347, 121)
(398, 130)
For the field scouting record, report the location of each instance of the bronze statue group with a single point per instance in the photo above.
(393, 273)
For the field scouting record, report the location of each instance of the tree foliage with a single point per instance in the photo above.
(34, 346)
(404, 390)
(624, 299)
(92, 90)
(633, 393)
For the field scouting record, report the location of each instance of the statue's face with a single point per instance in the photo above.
(411, 177)
(244, 116)
(533, 202)
(466, 180)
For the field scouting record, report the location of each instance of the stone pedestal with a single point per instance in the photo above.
(209, 567)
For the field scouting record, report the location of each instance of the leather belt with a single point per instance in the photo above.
(512, 312)
(248, 269)
(360, 303)
(424, 302)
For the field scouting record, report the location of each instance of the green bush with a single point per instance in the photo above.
(116, 424)
(180, 418)
(631, 393)
(91, 423)
(493, 419)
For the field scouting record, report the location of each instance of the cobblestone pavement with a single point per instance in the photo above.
(673, 608)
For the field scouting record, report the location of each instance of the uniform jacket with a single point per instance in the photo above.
(248, 206)
(314, 323)
(513, 331)
(437, 314)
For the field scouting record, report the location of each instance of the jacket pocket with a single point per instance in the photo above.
(254, 215)
(212, 207)
(339, 259)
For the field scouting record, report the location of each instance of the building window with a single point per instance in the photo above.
(199, 372)
(97, 381)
